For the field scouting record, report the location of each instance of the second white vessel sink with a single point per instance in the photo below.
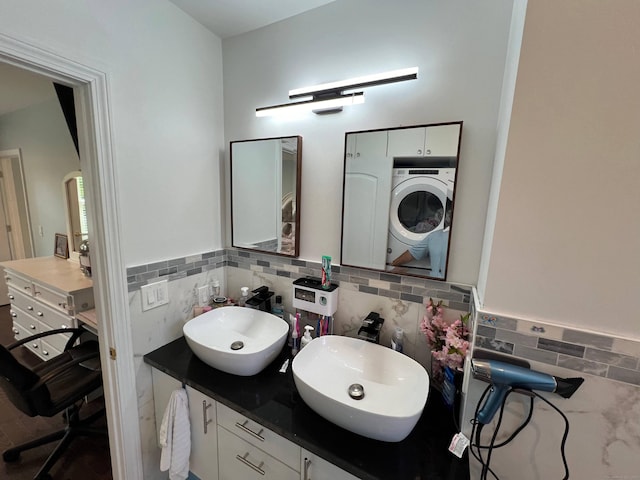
(237, 340)
(363, 387)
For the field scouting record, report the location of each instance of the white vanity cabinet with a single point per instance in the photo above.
(317, 468)
(45, 294)
(226, 445)
(203, 460)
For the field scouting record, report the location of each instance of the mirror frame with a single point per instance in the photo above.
(72, 209)
(400, 270)
(298, 176)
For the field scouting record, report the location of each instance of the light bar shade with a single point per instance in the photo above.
(331, 97)
(358, 82)
(312, 105)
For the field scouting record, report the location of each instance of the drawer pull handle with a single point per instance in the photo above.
(257, 468)
(63, 326)
(34, 345)
(29, 288)
(13, 314)
(16, 331)
(307, 464)
(45, 353)
(29, 307)
(11, 297)
(206, 421)
(40, 314)
(32, 327)
(243, 426)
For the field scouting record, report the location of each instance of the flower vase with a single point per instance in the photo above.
(448, 382)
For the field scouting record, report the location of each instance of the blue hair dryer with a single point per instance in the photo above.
(505, 376)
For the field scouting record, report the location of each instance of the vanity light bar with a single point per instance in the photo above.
(320, 105)
(358, 82)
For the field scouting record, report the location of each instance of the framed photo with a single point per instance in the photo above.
(61, 247)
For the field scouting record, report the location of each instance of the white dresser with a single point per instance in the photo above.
(46, 293)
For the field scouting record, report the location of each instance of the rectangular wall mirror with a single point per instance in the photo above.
(265, 194)
(398, 198)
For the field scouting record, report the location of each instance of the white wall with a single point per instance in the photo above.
(460, 48)
(565, 245)
(48, 154)
(165, 80)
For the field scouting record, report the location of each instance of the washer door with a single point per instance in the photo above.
(417, 208)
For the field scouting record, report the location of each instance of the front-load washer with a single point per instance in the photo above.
(421, 187)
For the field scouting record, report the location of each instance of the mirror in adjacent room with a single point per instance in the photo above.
(398, 198)
(265, 194)
(77, 226)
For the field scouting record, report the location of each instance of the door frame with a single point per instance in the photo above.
(91, 93)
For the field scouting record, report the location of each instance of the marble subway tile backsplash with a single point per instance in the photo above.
(394, 286)
(588, 352)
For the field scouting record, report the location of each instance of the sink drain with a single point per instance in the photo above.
(356, 391)
(237, 345)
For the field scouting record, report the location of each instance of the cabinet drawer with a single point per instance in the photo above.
(24, 332)
(47, 350)
(24, 319)
(51, 317)
(19, 283)
(240, 460)
(60, 301)
(55, 342)
(263, 438)
(21, 300)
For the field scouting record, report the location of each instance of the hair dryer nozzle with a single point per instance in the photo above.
(567, 386)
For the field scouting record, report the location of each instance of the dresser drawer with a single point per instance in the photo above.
(55, 342)
(47, 350)
(261, 437)
(58, 300)
(24, 301)
(240, 460)
(22, 333)
(19, 283)
(52, 318)
(24, 319)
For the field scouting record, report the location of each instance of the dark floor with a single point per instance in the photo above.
(86, 458)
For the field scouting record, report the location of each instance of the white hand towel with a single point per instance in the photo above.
(175, 436)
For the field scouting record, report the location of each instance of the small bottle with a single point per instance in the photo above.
(244, 296)
(216, 288)
(306, 338)
(397, 339)
(292, 327)
(294, 342)
(277, 308)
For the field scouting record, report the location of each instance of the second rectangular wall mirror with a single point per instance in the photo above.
(265, 194)
(398, 198)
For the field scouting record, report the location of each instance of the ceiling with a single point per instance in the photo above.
(227, 18)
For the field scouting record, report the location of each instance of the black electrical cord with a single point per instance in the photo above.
(477, 429)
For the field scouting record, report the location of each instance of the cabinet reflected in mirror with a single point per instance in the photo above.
(77, 226)
(265, 194)
(398, 198)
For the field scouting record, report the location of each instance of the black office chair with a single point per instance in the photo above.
(51, 387)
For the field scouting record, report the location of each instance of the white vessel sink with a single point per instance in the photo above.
(395, 386)
(236, 340)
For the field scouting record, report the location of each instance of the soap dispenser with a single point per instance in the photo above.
(306, 338)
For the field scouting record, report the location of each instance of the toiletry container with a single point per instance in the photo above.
(277, 308)
(397, 339)
(244, 296)
(306, 338)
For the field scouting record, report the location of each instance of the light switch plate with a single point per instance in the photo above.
(154, 295)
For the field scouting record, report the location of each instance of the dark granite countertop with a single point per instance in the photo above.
(271, 399)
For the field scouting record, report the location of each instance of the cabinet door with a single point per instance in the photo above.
(406, 142)
(442, 140)
(316, 468)
(163, 387)
(239, 460)
(371, 144)
(204, 439)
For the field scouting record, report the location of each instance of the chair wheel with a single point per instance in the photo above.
(10, 456)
